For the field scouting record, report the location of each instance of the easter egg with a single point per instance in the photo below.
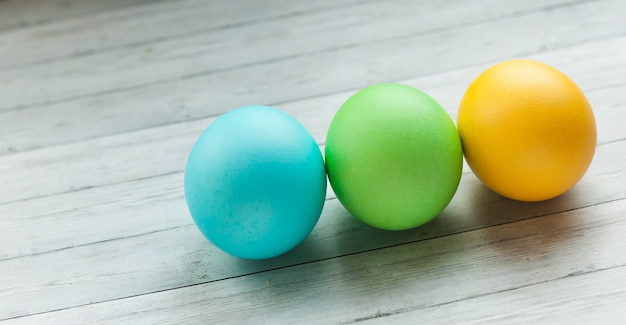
(255, 182)
(393, 156)
(528, 131)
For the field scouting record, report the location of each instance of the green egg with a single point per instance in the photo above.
(393, 156)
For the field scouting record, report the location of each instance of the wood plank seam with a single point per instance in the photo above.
(321, 143)
(378, 314)
(239, 24)
(312, 53)
(322, 259)
(93, 222)
(193, 119)
(82, 188)
(153, 41)
(277, 103)
(81, 15)
(97, 242)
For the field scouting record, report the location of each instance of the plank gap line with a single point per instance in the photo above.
(296, 56)
(578, 273)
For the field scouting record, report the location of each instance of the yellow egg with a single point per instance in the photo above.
(528, 131)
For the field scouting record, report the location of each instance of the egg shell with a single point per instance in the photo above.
(393, 156)
(528, 131)
(255, 182)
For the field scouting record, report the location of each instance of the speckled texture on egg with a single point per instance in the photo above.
(255, 182)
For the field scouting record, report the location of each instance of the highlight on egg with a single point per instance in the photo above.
(255, 182)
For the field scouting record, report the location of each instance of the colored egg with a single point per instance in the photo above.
(255, 182)
(393, 156)
(528, 131)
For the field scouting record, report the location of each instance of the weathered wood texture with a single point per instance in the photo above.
(100, 102)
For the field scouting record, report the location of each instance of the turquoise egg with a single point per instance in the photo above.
(255, 182)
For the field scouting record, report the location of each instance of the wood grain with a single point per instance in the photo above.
(205, 93)
(178, 256)
(139, 25)
(222, 50)
(164, 182)
(100, 102)
(580, 297)
(16, 14)
(95, 117)
(416, 276)
(111, 160)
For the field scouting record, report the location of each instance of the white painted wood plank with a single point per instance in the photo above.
(419, 275)
(103, 161)
(398, 53)
(206, 95)
(225, 49)
(179, 256)
(138, 25)
(163, 150)
(155, 204)
(117, 232)
(94, 215)
(25, 13)
(597, 297)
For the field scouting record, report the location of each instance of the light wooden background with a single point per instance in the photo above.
(101, 101)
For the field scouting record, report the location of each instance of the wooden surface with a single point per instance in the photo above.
(101, 101)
